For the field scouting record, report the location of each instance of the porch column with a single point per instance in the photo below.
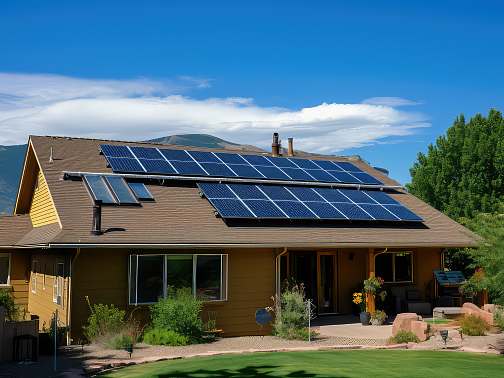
(370, 299)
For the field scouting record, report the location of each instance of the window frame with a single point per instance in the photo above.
(394, 253)
(8, 282)
(58, 283)
(33, 280)
(224, 270)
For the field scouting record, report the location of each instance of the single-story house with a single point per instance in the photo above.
(121, 223)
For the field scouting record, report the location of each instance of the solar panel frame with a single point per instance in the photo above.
(121, 190)
(99, 190)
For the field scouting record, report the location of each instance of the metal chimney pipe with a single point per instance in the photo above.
(97, 210)
(275, 146)
(290, 151)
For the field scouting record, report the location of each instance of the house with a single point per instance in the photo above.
(122, 223)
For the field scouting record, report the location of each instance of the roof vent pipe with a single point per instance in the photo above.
(275, 146)
(97, 210)
(290, 151)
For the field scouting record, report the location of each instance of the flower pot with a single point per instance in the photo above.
(364, 318)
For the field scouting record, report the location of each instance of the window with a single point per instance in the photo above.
(34, 271)
(59, 273)
(157, 276)
(4, 269)
(394, 266)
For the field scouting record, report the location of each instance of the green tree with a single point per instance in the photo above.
(463, 172)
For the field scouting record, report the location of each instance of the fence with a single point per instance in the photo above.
(10, 330)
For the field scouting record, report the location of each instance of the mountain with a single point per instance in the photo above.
(205, 141)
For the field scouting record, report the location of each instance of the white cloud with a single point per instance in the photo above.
(390, 101)
(142, 109)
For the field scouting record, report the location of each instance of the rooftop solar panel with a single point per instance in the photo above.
(245, 171)
(125, 165)
(141, 192)
(347, 166)
(99, 189)
(264, 209)
(157, 166)
(247, 192)
(378, 212)
(120, 189)
(321, 175)
(305, 194)
(146, 153)
(277, 193)
(273, 173)
(403, 213)
(305, 164)
(204, 157)
(188, 168)
(232, 208)
(357, 196)
(116, 151)
(282, 162)
(230, 158)
(257, 160)
(179, 155)
(352, 211)
(218, 169)
(331, 195)
(325, 210)
(296, 210)
(366, 178)
(298, 174)
(216, 190)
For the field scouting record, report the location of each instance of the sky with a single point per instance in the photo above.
(381, 79)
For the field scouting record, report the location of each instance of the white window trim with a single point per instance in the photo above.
(9, 256)
(33, 281)
(394, 253)
(57, 288)
(224, 277)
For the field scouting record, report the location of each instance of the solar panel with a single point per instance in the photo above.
(99, 189)
(121, 190)
(219, 164)
(294, 202)
(141, 192)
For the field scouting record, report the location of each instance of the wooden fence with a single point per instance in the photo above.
(9, 330)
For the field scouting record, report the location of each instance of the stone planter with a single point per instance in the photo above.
(365, 317)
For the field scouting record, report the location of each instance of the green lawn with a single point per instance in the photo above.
(323, 364)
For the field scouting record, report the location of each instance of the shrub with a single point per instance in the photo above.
(105, 320)
(403, 337)
(473, 326)
(499, 317)
(157, 336)
(179, 313)
(7, 301)
(119, 341)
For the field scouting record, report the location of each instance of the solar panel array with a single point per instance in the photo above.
(114, 190)
(245, 201)
(150, 160)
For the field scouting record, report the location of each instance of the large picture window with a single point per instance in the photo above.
(394, 267)
(158, 276)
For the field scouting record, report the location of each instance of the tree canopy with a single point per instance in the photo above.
(463, 172)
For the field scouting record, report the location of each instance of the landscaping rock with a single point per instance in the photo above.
(419, 328)
(472, 309)
(403, 322)
(490, 307)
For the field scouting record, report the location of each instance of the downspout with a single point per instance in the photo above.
(278, 284)
(69, 297)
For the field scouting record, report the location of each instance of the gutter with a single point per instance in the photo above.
(77, 174)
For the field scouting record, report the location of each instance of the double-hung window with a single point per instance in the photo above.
(394, 267)
(4, 269)
(158, 276)
(59, 274)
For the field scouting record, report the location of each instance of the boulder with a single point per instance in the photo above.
(490, 307)
(419, 328)
(471, 309)
(403, 322)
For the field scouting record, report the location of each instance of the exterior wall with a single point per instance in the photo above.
(425, 262)
(42, 210)
(351, 273)
(102, 275)
(19, 276)
(40, 296)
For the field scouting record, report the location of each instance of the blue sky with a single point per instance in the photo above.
(250, 59)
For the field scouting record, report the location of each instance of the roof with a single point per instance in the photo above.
(13, 228)
(180, 217)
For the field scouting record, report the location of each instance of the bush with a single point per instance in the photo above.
(7, 301)
(499, 317)
(473, 326)
(105, 320)
(291, 317)
(119, 341)
(403, 337)
(157, 336)
(179, 313)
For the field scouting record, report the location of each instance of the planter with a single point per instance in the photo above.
(377, 322)
(365, 317)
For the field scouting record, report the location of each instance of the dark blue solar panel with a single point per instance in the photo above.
(324, 210)
(99, 190)
(157, 166)
(247, 191)
(282, 162)
(326, 164)
(306, 164)
(277, 193)
(264, 209)
(230, 158)
(140, 190)
(188, 168)
(403, 213)
(295, 209)
(305, 194)
(125, 165)
(146, 153)
(378, 212)
(245, 171)
(381, 197)
(297, 174)
(357, 196)
(116, 151)
(180, 155)
(345, 177)
(217, 169)
(213, 190)
(204, 157)
(332, 195)
(231, 208)
(273, 173)
(348, 166)
(366, 178)
(257, 160)
(121, 190)
(353, 212)
(321, 175)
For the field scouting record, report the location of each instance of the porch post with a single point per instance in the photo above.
(370, 299)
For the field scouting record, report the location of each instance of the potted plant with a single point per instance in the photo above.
(378, 317)
(373, 284)
(358, 299)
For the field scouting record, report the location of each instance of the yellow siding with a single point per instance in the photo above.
(42, 210)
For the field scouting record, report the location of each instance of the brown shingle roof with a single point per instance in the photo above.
(180, 217)
(13, 228)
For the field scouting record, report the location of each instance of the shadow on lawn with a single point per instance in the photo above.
(245, 372)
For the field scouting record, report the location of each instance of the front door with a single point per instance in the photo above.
(326, 282)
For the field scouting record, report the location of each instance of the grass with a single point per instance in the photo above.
(325, 364)
(438, 321)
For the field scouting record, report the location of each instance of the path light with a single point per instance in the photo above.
(129, 349)
(444, 335)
